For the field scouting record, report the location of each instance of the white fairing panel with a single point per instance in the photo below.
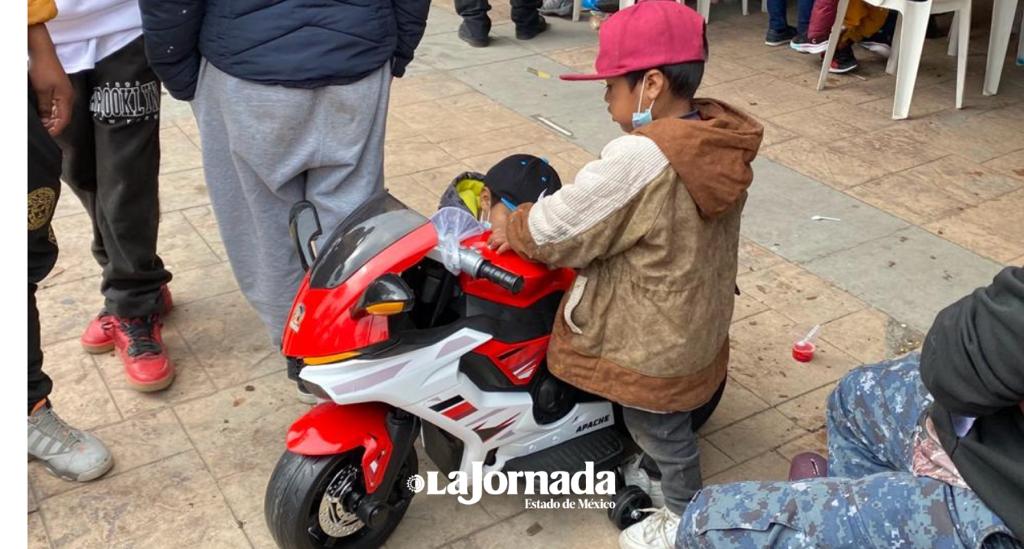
(426, 383)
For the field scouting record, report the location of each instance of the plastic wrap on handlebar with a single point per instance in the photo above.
(510, 281)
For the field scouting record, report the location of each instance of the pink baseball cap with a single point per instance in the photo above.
(650, 34)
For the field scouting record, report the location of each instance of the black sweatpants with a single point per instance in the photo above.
(111, 161)
(474, 14)
(43, 191)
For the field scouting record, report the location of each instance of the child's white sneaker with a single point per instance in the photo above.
(657, 531)
(635, 475)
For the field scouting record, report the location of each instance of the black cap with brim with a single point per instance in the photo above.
(522, 178)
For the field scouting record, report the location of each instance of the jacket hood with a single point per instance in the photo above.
(712, 155)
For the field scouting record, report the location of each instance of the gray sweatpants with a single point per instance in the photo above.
(267, 147)
(669, 440)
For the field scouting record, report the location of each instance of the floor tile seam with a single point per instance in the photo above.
(796, 321)
(205, 241)
(216, 481)
(99, 276)
(704, 434)
(740, 464)
(909, 227)
(182, 170)
(480, 65)
(796, 432)
(480, 529)
(79, 486)
(190, 400)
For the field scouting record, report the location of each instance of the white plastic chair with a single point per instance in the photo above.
(1020, 43)
(998, 40)
(703, 7)
(908, 42)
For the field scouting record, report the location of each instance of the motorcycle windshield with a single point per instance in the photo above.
(374, 226)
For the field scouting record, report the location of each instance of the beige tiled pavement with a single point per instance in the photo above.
(192, 462)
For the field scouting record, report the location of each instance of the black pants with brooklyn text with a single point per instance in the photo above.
(111, 162)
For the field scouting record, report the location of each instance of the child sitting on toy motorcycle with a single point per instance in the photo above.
(653, 229)
(515, 180)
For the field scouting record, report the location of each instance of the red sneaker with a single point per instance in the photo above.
(142, 351)
(96, 338)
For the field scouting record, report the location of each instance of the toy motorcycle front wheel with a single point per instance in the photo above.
(307, 502)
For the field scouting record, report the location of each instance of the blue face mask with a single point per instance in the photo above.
(642, 118)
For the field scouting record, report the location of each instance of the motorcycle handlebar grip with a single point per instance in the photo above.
(510, 281)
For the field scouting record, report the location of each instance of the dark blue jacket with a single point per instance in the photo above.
(295, 43)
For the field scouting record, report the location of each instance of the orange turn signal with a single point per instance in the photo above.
(386, 308)
(329, 359)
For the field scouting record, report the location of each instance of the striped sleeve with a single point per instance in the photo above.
(596, 216)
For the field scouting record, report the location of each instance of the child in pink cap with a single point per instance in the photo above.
(653, 229)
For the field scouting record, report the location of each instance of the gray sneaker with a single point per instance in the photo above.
(558, 8)
(66, 452)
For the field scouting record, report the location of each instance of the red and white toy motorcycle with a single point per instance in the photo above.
(411, 327)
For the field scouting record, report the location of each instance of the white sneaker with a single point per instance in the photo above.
(657, 531)
(305, 396)
(635, 475)
(879, 48)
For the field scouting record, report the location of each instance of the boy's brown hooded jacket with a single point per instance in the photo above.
(653, 227)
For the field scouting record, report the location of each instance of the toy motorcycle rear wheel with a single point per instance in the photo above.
(305, 502)
(627, 510)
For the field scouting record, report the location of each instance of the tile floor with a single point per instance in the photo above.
(931, 207)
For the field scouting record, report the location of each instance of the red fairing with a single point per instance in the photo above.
(538, 280)
(326, 325)
(330, 429)
(518, 361)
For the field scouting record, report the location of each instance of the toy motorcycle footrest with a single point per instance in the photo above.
(603, 447)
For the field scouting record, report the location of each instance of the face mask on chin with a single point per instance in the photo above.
(642, 118)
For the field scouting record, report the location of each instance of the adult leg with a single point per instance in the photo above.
(258, 143)
(78, 145)
(43, 192)
(526, 15)
(777, 15)
(474, 16)
(125, 107)
(803, 21)
(873, 416)
(65, 451)
(351, 163)
(823, 15)
(882, 510)
(862, 20)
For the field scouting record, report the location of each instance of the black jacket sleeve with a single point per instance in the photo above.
(171, 28)
(973, 357)
(411, 16)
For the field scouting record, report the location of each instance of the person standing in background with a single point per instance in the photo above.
(476, 25)
(779, 30)
(66, 452)
(111, 161)
(291, 100)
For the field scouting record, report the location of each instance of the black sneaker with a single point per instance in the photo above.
(803, 44)
(779, 37)
(529, 34)
(474, 41)
(844, 61)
